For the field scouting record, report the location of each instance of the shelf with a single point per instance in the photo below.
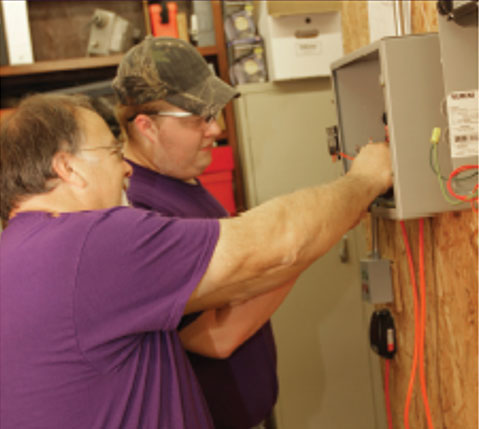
(207, 51)
(83, 63)
(54, 66)
(52, 75)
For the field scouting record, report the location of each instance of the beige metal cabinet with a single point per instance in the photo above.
(328, 376)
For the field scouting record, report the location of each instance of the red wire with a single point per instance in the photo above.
(387, 395)
(416, 326)
(422, 283)
(346, 156)
(463, 197)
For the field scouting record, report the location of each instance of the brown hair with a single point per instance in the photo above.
(42, 125)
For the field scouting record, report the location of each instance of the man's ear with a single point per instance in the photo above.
(145, 126)
(62, 164)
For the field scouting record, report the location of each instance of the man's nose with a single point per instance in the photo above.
(213, 128)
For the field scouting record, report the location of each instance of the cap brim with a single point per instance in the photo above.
(207, 98)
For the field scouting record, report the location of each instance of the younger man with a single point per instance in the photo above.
(169, 101)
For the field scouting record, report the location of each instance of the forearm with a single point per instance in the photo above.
(314, 219)
(218, 333)
(275, 241)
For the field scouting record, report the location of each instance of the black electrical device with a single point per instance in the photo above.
(382, 333)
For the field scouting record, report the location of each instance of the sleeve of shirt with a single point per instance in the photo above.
(137, 271)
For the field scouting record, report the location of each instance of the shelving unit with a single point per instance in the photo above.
(41, 76)
(50, 74)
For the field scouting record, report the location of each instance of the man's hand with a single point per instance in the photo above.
(374, 162)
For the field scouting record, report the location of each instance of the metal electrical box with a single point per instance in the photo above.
(376, 283)
(397, 80)
(458, 39)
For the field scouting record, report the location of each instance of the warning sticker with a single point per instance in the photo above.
(462, 112)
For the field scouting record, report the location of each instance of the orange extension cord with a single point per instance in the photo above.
(387, 366)
(419, 325)
(412, 275)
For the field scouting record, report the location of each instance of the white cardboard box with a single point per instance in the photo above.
(300, 46)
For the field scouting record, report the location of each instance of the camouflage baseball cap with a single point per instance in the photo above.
(163, 68)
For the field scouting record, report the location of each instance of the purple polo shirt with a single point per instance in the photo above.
(241, 390)
(90, 304)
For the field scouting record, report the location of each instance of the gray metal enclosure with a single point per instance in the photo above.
(401, 77)
(323, 322)
(459, 59)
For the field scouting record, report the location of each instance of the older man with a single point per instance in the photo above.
(91, 293)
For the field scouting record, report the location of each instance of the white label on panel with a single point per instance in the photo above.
(462, 111)
(308, 47)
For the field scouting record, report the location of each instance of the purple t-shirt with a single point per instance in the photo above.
(90, 304)
(241, 390)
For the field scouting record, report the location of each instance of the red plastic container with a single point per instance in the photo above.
(218, 177)
(222, 159)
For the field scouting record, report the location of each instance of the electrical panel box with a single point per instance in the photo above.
(398, 81)
(458, 39)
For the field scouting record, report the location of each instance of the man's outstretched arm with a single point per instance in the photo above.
(274, 242)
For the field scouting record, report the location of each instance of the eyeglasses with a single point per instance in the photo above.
(206, 119)
(115, 149)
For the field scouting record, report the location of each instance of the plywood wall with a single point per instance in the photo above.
(451, 252)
